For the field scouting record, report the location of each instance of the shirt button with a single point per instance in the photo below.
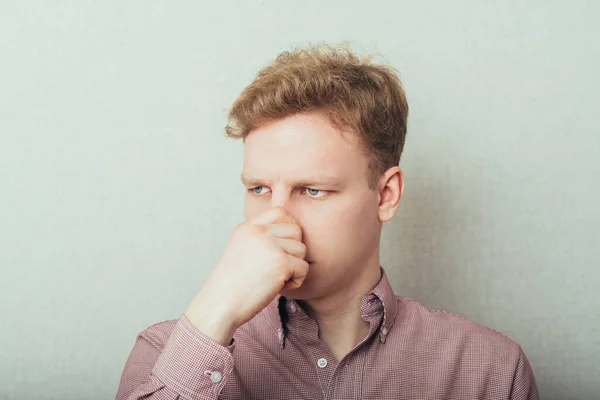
(216, 377)
(280, 334)
(384, 330)
(322, 363)
(293, 307)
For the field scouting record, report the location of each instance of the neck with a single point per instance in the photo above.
(338, 315)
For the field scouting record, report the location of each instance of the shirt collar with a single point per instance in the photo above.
(380, 300)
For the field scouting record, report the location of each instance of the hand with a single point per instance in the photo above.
(263, 256)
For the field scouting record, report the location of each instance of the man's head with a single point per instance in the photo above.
(323, 131)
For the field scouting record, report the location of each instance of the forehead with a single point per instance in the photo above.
(302, 144)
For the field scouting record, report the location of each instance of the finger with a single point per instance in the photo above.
(286, 218)
(273, 215)
(292, 247)
(285, 231)
(298, 272)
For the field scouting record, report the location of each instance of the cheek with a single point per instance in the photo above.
(343, 229)
(253, 208)
(324, 233)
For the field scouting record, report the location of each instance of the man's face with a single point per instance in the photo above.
(303, 164)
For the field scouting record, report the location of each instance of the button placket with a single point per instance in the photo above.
(383, 334)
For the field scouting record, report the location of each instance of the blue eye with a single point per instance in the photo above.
(313, 194)
(254, 189)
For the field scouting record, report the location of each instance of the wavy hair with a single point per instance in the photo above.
(353, 93)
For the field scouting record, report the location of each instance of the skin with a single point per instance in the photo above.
(341, 220)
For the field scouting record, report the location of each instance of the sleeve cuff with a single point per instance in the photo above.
(193, 364)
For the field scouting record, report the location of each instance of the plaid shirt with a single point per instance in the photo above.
(410, 352)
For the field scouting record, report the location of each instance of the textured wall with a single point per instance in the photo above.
(118, 189)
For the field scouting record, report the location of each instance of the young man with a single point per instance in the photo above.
(298, 306)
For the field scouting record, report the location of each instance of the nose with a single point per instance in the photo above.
(280, 198)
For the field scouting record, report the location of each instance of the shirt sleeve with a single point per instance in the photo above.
(189, 366)
(524, 386)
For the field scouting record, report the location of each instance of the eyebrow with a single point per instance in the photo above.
(319, 180)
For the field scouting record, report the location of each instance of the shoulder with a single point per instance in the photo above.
(450, 332)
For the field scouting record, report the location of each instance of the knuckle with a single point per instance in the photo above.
(258, 229)
(249, 229)
(247, 232)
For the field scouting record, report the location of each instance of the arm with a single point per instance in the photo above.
(263, 256)
(184, 368)
(524, 386)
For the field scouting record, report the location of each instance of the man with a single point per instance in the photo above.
(298, 306)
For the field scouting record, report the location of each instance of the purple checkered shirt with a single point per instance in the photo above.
(410, 352)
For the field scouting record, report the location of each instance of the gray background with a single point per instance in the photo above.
(118, 190)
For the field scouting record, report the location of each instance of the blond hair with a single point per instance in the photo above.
(353, 93)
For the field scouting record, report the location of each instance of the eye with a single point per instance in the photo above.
(312, 193)
(254, 189)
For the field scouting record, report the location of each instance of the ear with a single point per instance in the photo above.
(390, 188)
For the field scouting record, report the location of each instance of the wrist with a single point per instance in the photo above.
(216, 324)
